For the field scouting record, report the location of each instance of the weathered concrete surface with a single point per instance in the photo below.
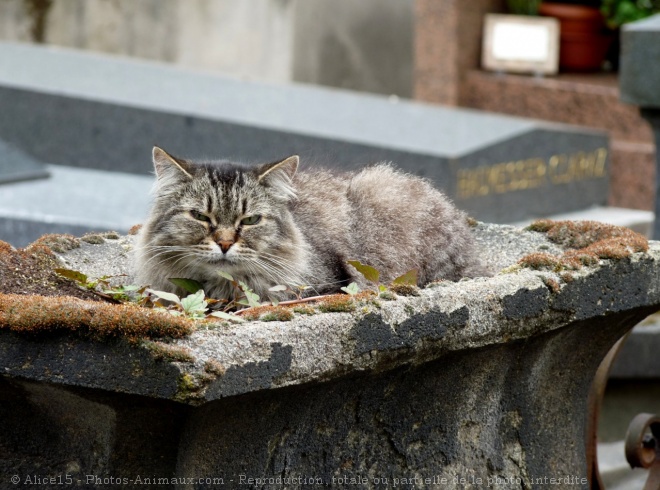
(481, 379)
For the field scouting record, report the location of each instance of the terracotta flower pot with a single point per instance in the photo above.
(584, 39)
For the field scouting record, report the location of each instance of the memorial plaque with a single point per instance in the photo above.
(87, 110)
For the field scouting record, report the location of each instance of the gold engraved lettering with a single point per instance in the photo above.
(531, 173)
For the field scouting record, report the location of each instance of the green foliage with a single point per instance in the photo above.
(409, 278)
(76, 276)
(619, 12)
(372, 275)
(245, 296)
(194, 305)
(227, 316)
(523, 7)
(351, 289)
(170, 297)
(251, 298)
(125, 293)
(102, 287)
(189, 285)
(369, 273)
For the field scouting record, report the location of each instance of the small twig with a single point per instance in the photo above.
(286, 303)
(106, 297)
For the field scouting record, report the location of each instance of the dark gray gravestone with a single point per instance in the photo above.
(90, 111)
(16, 165)
(640, 81)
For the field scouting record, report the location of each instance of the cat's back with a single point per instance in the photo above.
(391, 220)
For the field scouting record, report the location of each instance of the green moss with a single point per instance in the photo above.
(278, 314)
(111, 235)
(567, 277)
(304, 310)
(269, 314)
(58, 243)
(93, 238)
(541, 225)
(587, 243)
(169, 353)
(187, 389)
(387, 295)
(337, 303)
(33, 315)
(542, 260)
(511, 269)
(214, 367)
(551, 284)
(404, 289)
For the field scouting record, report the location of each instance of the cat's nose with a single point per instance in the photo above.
(225, 245)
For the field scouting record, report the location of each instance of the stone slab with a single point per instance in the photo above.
(105, 113)
(16, 165)
(480, 379)
(639, 73)
(72, 200)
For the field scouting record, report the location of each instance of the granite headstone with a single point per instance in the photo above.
(16, 165)
(639, 81)
(100, 112)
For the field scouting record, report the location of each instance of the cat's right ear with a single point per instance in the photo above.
(279, 176)
(168, 167)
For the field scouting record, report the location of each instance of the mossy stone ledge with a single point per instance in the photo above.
(481, 380)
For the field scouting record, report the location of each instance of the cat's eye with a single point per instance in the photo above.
(199, 216)
(251, 220)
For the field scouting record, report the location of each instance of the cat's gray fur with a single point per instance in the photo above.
(312, 224)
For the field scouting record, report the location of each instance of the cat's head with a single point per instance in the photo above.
(222, 215)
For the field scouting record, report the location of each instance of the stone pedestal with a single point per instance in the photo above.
(476, 384)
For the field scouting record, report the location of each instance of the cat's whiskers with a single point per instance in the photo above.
(284, 272)
(163, 256)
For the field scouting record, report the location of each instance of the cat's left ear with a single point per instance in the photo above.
(279, 175)
(168, 166)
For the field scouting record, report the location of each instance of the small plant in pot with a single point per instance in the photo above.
(523, 7)
(584, 36)
(619, 12)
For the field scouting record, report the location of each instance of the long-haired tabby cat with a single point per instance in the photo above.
(272, 225)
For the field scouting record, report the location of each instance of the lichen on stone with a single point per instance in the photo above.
(93, 238)
(552, 285)
(304, 310)
(32, 314)
(170, 353)
(214, 367)
(586, 243)
(387, 295)
(58, 243)
(190, 388)
(405, 289)
(268, 313)
(337, 303)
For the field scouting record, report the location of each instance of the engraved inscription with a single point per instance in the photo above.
(531, 173)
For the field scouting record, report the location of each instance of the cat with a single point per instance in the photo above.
(271, 225)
